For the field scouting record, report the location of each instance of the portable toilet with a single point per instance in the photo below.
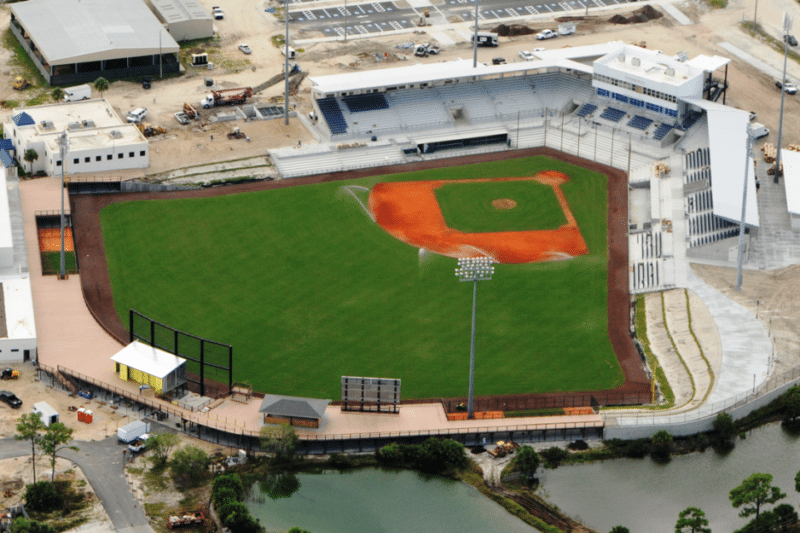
(81, 414)
(49, 415)
(88, 417)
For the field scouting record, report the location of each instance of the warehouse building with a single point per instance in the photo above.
(185, 20)
(77, 41)
(99, 140)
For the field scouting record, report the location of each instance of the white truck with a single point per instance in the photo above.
(79, 92)
(130, 432)
(138, 445)
(759, 130)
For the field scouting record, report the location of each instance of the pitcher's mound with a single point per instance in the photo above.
(504, 203)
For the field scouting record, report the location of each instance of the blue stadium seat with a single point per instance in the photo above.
(365, 102)
(640, 123)
(614, 115)
(586, 110)
(333, 115)
(662, 131)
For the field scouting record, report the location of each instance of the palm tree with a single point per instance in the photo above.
(101, 84)
(57, 95)
(30, 156)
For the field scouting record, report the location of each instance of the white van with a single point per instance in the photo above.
(759, 130)
(292, 52)
(80, 92)
(137, 115)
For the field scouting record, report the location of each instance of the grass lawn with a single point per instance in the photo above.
(307, 288)
(468, 207)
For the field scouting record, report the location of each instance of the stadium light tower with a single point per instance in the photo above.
(286, 66)
(473, 269)
(740, 256)
(63, 148)
(475, 37)
(788, 40)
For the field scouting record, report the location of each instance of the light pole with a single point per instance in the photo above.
(286, 67)
(740, 255)
(473, 269)
(475, 37)
(63, 148)
(787, 40)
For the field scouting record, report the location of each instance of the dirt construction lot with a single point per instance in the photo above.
(247, 22)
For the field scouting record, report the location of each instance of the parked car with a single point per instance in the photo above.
(10, 398)
(218, 13)
(433, 49)
(546, 34)
(182, 117)
(527, 56)
(499, 61)
(146, 83)
(245, 48)
(787, 86)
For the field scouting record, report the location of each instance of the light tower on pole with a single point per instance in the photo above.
(473, 269)
(63, 148)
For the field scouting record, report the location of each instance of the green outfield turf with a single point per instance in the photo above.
(307, 288)
(468, 207)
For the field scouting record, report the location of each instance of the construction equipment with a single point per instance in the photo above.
(503, 448)
(236, 134)
(20, 83)
(227, 97)
(148, 130)
(9, 373)
(190, 110)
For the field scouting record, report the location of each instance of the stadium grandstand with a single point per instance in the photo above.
(656, 116)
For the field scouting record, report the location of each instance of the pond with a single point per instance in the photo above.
(383, 501)
(646, 496)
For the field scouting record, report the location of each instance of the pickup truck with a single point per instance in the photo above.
(139, 444)
(546, 34)
(218, 13)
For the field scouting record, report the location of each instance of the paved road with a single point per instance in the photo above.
(101, 462)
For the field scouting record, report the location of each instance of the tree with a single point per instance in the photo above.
(527, 461)
(298, 530)
(553, 456)
(101, 84)
(797, 482)
(692, 520)
(441, 455)
(662, 443)
(620, 529)
(57, 94)
(189, 465)
(280, 440)
(230, 482)
(30, 156)
(755, 491)
(30, 427)
(791, 403)
(161, 445)
(725, 426)
(53, 441)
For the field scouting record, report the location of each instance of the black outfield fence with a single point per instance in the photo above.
(210, 363)
(521, 402)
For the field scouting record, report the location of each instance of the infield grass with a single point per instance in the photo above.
(307, 288)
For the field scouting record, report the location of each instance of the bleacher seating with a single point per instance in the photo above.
(333, 115)
(689, 121)
(614, 115)
(365, 102)
(639, 122)
(662, 130)
(586, 110)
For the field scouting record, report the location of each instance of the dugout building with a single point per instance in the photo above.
(78, 41)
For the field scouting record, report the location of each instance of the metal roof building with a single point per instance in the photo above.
(75, 41)
(185, 20)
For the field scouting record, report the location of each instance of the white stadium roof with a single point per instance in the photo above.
(727, 134)
(73, 31)
(180, 10)
(430, 73)
(791, 179)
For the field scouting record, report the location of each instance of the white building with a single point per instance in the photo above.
(99, 140)
(185, 20)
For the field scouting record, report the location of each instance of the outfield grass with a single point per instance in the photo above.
(468, 206)
(307, 288)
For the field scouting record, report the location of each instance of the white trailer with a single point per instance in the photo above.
(48, 414)
(130, 432)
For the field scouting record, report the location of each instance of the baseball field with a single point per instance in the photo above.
(307, 287)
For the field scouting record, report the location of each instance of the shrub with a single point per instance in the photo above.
(189, 465)
(578, 445)
(223, 495)
(553, 456)
(636, 449)
(339, 460)
(230, 482)
(434, 455)
(43, 497)
(662, 443)
(23, 525)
